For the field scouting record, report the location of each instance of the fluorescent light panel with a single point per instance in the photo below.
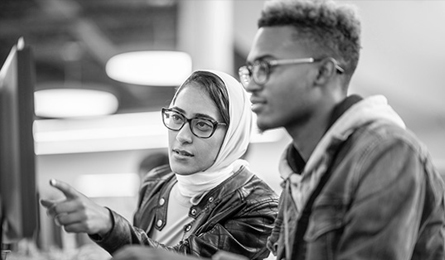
(150, 68)
(72, 102)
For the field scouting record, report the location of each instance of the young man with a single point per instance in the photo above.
(357, 184)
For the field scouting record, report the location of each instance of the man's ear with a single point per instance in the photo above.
(326, 70)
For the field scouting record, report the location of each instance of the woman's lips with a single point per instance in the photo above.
(182, 152)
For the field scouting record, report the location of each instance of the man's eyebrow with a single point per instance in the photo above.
(261, 58)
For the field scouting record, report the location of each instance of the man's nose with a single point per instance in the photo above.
(252, 86)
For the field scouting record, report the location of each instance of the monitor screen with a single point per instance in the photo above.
(18, 191)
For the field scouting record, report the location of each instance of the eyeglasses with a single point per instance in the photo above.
(200, 127)
(259, 71)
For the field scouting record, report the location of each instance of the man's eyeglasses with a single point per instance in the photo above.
(259, 71)
(200, 127)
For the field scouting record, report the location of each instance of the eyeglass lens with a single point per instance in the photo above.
(199, 126)
(259, 71)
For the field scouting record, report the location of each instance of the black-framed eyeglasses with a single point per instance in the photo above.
(259, 71)
(199, 126)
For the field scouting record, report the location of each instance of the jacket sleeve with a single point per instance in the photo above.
(272, 240)
(390, 193)
(124, 233)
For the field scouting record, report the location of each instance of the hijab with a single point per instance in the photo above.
(235, 143)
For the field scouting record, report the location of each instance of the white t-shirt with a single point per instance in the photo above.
(177, 217)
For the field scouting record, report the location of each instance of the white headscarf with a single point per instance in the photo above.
(235, 143)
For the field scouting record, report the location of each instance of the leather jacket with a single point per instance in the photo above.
(236, 216)
(383, 200)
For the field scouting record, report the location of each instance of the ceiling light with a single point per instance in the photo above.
(72, 102)
(151, 68)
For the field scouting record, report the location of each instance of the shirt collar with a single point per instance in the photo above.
(293, 157)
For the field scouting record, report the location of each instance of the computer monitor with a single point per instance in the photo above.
(18, 191)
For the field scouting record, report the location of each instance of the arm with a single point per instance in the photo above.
(123, 233)
(384, 218)
(242, 230)
(78, 214)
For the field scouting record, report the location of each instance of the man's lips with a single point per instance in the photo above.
(257, 104)
(256, 100)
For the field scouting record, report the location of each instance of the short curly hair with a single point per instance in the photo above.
(329, 30)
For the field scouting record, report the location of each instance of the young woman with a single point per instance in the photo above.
(206, 199)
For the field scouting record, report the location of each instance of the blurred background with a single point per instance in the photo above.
(81, 45)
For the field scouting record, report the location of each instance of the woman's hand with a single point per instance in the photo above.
(77, 213)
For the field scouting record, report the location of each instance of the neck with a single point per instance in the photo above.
(306, 137)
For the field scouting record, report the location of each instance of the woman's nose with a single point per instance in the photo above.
(185, 135)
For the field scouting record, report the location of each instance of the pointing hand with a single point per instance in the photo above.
(76, 212)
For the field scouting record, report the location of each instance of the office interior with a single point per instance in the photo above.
(402, 58)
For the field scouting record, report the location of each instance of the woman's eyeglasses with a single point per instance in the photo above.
(199, 126)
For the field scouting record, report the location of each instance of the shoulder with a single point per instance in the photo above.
(158, 173)
(158, 176)
(381, 158)
(388, 151)
(242, 185)
(155, 180)
(381, 137)
(246, 194)
(256, 188)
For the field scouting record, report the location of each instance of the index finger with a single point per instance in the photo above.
(65, 188)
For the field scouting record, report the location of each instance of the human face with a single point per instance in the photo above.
(287, 98)
(190, 154)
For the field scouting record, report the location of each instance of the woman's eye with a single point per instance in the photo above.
(204, 125)
(176, 117)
